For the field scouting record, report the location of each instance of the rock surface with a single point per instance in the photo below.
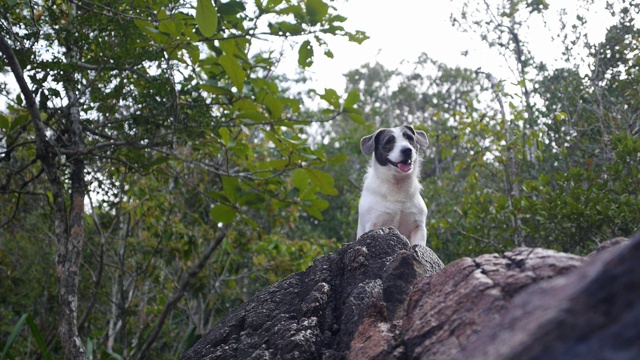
(445, 310)
(592, 313)
(316, 313)
(380, 298)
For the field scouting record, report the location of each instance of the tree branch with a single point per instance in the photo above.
(185, 281)
(29, 98)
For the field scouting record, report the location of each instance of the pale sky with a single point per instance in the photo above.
(401, 30)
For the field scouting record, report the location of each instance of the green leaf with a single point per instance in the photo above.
(338, 159)
(26, 318)
(274, 105)
(272, 4)
(234, 70)
(320, 204)
(356, 118)
(194, 53)
(315, 212)
(14, 334)
(143, 25)
(231, 187)
(223, 213)
(315, 206)
(234, 48)
(331, 97)
(231, 8)
(206, 17)
(335, 30)
(166, 25)
(358, 37)
(316, 11)
(215, 90)
(352, 98)
(218, 196)
(295, 10)
(253, 116)
(283, 27)
(248, 221)
(114, 355)
(188, 339)
(251, 199)
(38, 337)
(224, 134)
(338, 18)
(328, 53)
(301, 179)
(305, 54)
(322, 181)
(5, 123)
(277, 164)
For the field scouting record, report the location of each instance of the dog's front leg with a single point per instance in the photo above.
(419, 236)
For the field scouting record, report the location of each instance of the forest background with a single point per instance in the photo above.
(157, 170)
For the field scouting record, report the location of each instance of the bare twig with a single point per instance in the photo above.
(185, 281)
(483, 240)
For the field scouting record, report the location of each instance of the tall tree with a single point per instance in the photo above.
(133, 86)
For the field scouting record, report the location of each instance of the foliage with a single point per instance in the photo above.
(161, 142)
(551, 161)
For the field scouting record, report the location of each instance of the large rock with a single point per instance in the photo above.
(447, 309)
(592, 313)
(316, 313)
(379, 298)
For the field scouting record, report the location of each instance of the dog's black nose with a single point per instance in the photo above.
(406, 152)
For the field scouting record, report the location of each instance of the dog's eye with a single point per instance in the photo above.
(388, 143)
(409, 137)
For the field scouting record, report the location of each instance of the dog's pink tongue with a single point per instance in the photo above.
(404, 167)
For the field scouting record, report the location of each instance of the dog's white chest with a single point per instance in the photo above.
(408, 216)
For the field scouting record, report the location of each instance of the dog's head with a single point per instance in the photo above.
(397, 147)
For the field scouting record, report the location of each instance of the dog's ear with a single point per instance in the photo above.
(367, 144)
(421, 136)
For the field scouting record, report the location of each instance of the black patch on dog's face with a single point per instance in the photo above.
(410, 135)
(384, 143)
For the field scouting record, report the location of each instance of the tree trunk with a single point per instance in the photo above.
(68, 259)
(68, 239)
(512, 186)
(69, 255)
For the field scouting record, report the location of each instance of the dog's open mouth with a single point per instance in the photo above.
(404, 165)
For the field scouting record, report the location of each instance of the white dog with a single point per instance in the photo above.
(391, 191)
